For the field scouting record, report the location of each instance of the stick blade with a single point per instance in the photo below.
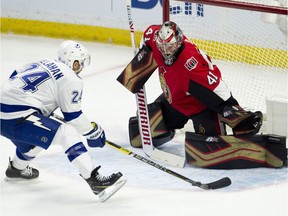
(168, 158)
(221, 183)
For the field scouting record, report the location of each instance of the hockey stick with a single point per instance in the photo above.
(107, 193)
(144, 125)
(224, 182)
(221, 183)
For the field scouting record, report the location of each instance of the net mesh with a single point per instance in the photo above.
(250, 47)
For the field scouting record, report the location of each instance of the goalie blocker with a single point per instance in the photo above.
(138, 71)
(230, 152)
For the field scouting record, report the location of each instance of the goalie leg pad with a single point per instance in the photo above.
(159, 132)
(230, 152)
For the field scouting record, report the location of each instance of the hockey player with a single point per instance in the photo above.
(29, 98)
(192, 88)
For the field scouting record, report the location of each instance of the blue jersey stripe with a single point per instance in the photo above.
(7, 108)
(69, 116)
(75, 151)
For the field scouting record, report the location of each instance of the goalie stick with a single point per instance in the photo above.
(109, 191)
(144, 125)
(221, 183)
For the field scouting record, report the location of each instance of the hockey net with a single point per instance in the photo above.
(247, 40)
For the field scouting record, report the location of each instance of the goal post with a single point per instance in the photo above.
(247, 39)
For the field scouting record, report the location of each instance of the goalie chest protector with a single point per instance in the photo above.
(230, 152)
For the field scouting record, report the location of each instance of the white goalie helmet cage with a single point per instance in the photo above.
(169, 39)
(70, 51)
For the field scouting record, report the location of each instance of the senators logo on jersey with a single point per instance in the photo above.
(165, 88)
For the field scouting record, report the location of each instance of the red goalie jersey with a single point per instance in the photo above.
(189, 69)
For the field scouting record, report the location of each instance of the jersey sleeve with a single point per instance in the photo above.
(149, 35)
(70, 104)
(200, 67)
(206, 83)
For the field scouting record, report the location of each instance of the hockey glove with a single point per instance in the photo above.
(249, 126)
(96, 137)
(233, 115)
(243, 123)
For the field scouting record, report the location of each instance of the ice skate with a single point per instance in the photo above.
(105, 186)
(28, 173)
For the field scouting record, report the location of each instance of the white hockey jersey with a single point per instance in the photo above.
(43, 87)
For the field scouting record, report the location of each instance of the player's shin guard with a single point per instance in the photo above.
(76, 152)
(230, 152)
(159, 132)
(22, 160)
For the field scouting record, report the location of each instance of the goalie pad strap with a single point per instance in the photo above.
(159, 132)
(138, 71)
(230, 152)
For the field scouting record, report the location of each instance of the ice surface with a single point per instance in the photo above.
(149, 191)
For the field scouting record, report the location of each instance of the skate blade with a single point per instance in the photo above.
(7, 179)
(110, 191)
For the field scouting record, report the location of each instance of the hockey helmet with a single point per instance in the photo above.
(71, 52)
(169, 39)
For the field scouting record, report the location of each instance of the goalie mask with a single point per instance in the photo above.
(73, 54)
(169, 39)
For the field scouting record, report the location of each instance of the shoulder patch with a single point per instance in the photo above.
(191, 63)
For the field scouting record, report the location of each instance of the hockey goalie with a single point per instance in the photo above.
(193, 89)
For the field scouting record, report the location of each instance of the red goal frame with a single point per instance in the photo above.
(229, 4)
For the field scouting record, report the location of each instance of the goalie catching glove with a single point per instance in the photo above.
(243, 123)
(96, 137)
